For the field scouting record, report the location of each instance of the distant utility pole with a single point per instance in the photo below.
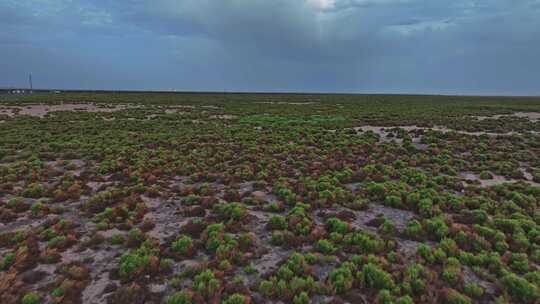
(30, 81)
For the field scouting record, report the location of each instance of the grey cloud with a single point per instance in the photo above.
(460, 46)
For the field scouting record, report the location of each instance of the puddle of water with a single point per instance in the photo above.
(470, 277)
(181, 107)
(60, 165)
(157, 288)
(93, 293)
(258, 223)
(399, 217)
(287, 103)
(496, 180)
(104, 262)
(408, 248)
(163, 214)
(269, 261)
(49, 269)
(224, 117)
(532, 116)
(383, 131)
(353, 186)
(528, 176)
(245, 188)
(110, 232)
(40, 110)
(174, 111)
(23, 223)
(74, 254)
(416, 142)
(323, 271)
(95, 186)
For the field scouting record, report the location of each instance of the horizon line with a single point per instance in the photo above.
(232, 92)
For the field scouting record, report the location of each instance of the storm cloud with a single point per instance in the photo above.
(384, 46)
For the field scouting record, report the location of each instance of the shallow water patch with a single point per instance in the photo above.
(41, 110)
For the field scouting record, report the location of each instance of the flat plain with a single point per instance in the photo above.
(269, 198)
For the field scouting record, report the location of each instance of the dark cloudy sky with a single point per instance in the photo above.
(392, 46)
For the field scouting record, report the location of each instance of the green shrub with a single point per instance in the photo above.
(533, 277)
(31, 298)
(519, 262)
(387, 228)
(384, 297)
(392, 200)
(485, 175)
(439, 256)
(228, 248)
(301, 298)
(376, 190)
(437, 227)
(236, 299)
(192, 199)
(278, 238)
(392, 257)
(298, 284)
(374, 277)
(7, 261)
(35, 190)
(311, 258)
(303, 227)
(57, 241)
(404, 300)
(337, 225)
(426, 252)
(250, 269)
(181, 297)
(266, 288)
(451, 275)
(449, 247)
(116, 239)
(57, 292)
(414, 276)
(364, 242)
(452, 271)
(183, 245)
(520, 289)
(341, 278)
(277, 223)
(413, 199)
(136, 236)
(521, 241)
(454, 297)
(296, 264)
(98, 202)
(36, 208)
(413, 229)
(135, 262)
(425, 207)
(214, 234)
(273, 207)
(359, 203)
(325, 247)
(233, 212)
(225, 265)
(473, 290)
(206, 284)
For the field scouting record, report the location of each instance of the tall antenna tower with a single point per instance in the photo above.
(30, 81)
